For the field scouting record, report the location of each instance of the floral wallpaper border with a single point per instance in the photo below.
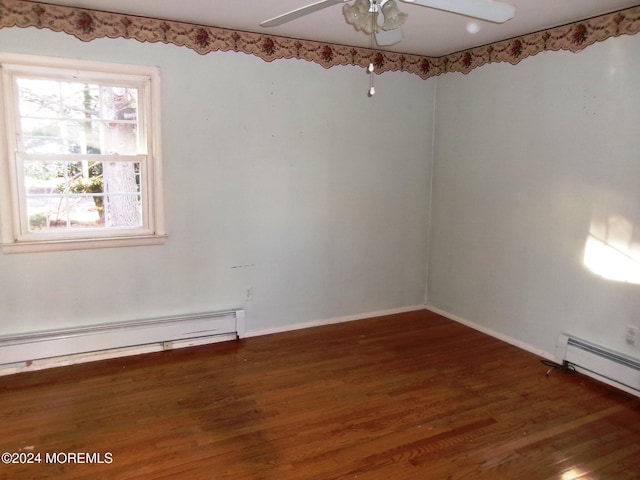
(88, 25)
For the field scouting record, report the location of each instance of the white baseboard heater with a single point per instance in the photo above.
(38, 350)
(605, 365)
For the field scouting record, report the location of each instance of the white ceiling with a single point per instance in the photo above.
(427, 31)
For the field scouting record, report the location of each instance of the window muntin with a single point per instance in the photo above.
(82, 163)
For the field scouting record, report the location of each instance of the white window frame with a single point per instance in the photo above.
(15, 236)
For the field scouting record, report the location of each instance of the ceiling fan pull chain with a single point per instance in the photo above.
(371, 69)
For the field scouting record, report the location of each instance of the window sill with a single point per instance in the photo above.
(82, 244)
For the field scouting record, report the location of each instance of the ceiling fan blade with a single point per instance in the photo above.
(490, 10)
(299, 12)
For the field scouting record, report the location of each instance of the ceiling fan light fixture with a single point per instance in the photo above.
(362, 15)
(393, 17)
(358, 15)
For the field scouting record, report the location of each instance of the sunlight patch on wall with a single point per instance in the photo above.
(613, 250)
(572, 474)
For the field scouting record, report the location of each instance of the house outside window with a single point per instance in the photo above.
(81, 165)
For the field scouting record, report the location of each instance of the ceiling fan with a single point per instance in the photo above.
(383, 20)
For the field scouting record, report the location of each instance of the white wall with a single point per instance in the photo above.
(282, 177)
(529, 160)
(319, 196)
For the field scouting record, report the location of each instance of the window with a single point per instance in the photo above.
(81, 165)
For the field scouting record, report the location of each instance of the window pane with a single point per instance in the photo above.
(50, 136)
(63, 212)
(122, 189)
(39, 98)
(123, 211)
(43, 177)
(85, 211)
(46, 212)
(42, 136)
(119, 103)
(83, 194)
(121, 139)
(64, 195)
(80, 101)
(120, 112)
(81, 136)
(65, 117)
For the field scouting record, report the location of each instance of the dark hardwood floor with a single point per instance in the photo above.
(410, 396)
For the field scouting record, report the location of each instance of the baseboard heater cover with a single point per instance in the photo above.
(138, 336)
(605, 365)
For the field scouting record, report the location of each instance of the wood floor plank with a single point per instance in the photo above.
(406, 397)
